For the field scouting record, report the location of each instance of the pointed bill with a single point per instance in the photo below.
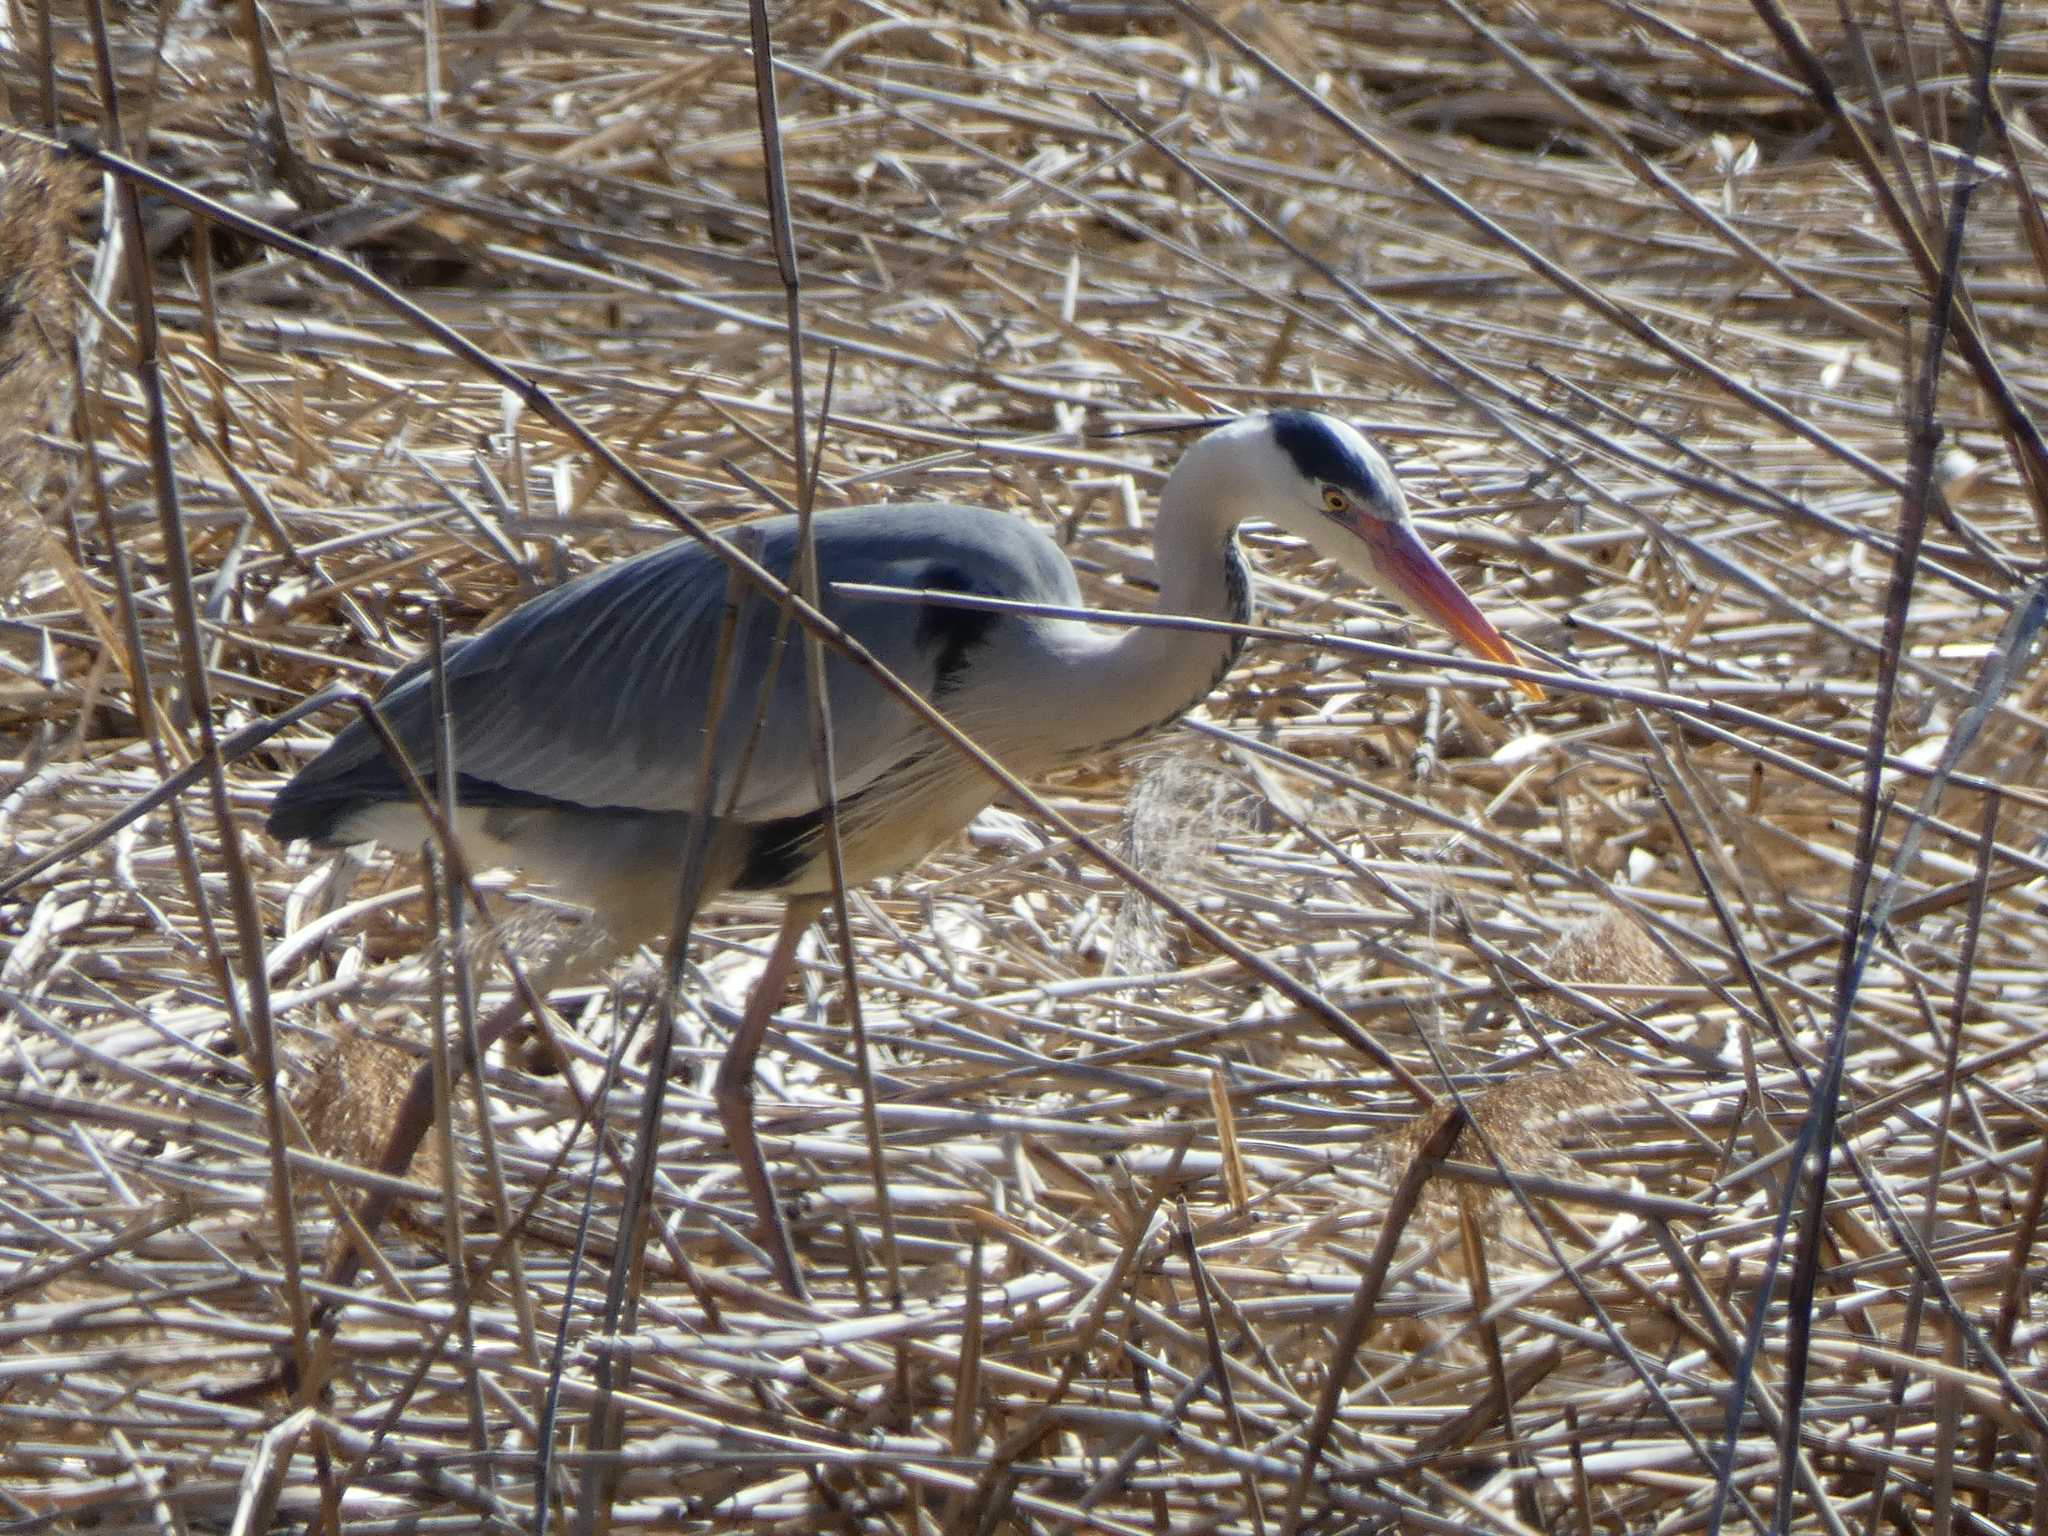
(1426, 587)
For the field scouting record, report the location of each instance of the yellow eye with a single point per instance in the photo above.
(1335, 500)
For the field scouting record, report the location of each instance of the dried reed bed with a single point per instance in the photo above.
(1140, 1205)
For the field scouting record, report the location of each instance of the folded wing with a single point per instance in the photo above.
(601, 692)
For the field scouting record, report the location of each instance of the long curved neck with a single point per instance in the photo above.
(1153, 674)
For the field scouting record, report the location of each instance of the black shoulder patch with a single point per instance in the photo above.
(952, 633)
(778, 851)
(1320, 454)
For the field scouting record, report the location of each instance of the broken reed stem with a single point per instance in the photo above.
(1859, 932)
(1358, 1320)
(248, 923)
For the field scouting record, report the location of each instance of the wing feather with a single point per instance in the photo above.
(599, 692)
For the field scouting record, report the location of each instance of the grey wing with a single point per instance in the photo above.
(600, 693)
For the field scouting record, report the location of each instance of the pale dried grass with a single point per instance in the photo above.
(1000, 269)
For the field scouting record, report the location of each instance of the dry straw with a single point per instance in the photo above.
(39, 198)
(1640, 301)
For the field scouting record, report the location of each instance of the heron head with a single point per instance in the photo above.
(1320, 479)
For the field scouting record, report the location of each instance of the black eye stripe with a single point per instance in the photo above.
(1311, 443)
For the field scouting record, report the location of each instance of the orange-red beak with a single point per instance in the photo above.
(1420, 580)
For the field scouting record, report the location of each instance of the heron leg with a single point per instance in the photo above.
(734, 1088)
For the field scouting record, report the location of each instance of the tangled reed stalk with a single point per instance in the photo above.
(1641, 301)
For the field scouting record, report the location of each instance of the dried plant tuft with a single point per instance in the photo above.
(349, 1099)
(1177, 809)
(1524, 1120)
(1608, 949)
(1525, 1123)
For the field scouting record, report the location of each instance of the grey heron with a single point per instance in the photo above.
(581, 718)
